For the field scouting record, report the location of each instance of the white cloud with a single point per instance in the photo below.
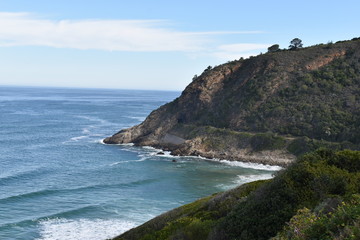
(235, 51)
(24, 29)
(19, 29)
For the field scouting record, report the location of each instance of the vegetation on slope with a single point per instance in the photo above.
(219, 139)
(192, 221)
(315, 198)
(341, 222)
(224, 141)
(311, 181)
(311, 92)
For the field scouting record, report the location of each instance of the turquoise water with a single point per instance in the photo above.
(58, 181)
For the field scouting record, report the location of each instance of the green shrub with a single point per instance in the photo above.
(303, 185)
(266, 141)
(341, 223)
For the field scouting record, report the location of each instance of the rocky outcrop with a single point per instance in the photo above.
(287, 95)
(323, 60)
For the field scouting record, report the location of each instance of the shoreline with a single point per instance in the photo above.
(210, 143)
(253, 164)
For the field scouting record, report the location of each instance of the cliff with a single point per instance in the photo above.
(266, 109)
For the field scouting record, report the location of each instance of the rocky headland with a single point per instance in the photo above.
(266, 109)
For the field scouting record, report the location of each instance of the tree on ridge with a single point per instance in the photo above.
(295, 44)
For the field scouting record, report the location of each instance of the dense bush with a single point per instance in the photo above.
(342, 222)
(266, 141)
(314, 178)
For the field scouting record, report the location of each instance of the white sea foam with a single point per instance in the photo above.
(97, 135)
(101, 141)
(97, 229)
(165, 154)
(252, 177)
(151, 148)
(241, 179)
(127, 144)
(129, 161)
(251, 165)
(95, 119)
(138, 118)
(168, 155)
(87, 130)
(78, 138)
(75, 139)
(119, 144)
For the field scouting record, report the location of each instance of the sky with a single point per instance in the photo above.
(153, 44)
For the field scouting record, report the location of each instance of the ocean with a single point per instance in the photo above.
(59, 181)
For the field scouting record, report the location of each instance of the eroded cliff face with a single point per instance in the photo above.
(197, 96)
(279, 92)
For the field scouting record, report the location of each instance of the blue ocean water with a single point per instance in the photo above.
(58, 181)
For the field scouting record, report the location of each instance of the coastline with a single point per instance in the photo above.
(250, 162)
(208, 142)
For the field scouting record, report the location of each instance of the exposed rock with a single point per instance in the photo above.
(171, 139)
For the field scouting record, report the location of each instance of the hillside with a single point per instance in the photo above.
(318, 197)
(267, 109)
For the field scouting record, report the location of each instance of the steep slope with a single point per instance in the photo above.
(318, 197)
(197, 218)
(258, 109)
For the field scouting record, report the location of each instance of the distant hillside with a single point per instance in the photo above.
(318, 197)
(266, 109)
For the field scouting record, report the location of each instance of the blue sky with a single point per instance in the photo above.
(153, 44)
